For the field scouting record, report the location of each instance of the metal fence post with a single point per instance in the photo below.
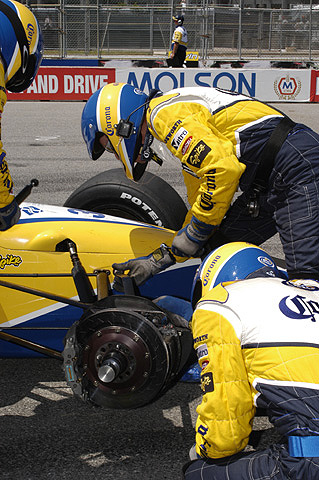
(89, 27)
(98, 29)
(310, 30)
(151, 30)
(240, 28)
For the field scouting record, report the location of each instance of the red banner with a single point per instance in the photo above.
(314, 90)
(66, 83)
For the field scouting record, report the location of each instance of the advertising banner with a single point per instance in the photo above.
(314, 86)
(266, 85)
(66, 83)
(78, 83)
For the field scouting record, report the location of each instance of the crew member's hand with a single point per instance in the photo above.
(9, 215)
(143, 268)
(193, 455)
(190, 240)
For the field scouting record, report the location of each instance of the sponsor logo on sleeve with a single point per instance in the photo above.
(206, 382)
(201, 338)
(186, 145)
(172, 130)
(198, 154)
(202, 351)
(179, 137)
(206, 198)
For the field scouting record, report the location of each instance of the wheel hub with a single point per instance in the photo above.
(121, 351)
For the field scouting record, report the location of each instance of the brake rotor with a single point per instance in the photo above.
(116, 358)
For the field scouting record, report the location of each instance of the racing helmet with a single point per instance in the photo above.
(116, 110)
(21, 45)
(179, 19)
(230, 262)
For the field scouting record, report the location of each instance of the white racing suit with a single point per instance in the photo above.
(218, 137)
(257, 342)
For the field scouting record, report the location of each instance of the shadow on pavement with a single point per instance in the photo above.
(47, 434)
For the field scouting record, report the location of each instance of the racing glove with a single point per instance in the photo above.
(193, 455)
(190, 240)
(143, 268)
(9, 215)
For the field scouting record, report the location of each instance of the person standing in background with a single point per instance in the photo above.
(179, 43)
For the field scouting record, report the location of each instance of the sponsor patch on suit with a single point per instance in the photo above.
(198, 154)
(207, 382)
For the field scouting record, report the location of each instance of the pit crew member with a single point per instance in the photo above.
(224, 140)
(20, 57)
(257, 341)
(179, 43)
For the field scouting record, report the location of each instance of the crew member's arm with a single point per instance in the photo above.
(226, 411)
(213, 179)
(9, 210)
(177, 37)
(174, 49)
(211, 169)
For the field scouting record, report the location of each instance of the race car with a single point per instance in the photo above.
(118, 350)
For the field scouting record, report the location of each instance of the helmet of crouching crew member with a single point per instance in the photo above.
(230, 262)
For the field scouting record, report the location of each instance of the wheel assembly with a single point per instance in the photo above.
(124, 352)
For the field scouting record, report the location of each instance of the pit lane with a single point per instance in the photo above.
(45, 432)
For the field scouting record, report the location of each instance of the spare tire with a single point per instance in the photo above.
(151, 200)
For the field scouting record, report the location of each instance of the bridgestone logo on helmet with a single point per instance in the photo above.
(137, 201)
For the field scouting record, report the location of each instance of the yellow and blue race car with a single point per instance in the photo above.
(56, 299)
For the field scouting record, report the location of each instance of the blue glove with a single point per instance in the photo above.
(190, 240)
(142, 268)
(9, 215)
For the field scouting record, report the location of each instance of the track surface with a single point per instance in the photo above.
(45, 432)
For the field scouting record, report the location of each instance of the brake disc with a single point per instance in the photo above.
(122, 353)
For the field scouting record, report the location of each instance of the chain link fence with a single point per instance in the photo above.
(114, 28)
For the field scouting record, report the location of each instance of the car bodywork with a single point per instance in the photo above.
(33, 256)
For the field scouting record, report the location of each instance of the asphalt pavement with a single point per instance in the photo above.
(45, 433)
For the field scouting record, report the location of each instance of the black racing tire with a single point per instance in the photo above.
(151, 200)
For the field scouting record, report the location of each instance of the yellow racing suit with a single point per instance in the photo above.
(6, 184)
(215, 134)
(257, 342)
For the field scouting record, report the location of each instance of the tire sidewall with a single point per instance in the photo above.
(152, 200)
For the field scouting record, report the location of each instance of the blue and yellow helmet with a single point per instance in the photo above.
(21, 45)
(179, 19)
(230, 262)
(104, 112)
